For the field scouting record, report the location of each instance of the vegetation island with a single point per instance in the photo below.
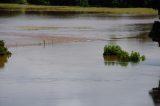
(4, 50)
(116, 53)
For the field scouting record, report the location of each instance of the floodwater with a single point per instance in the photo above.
(75, 73)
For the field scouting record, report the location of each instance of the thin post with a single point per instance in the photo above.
(52, 42)
(44, 43)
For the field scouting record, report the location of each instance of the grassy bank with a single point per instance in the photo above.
(76, 9)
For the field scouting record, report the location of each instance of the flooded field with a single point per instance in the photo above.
(72, 71)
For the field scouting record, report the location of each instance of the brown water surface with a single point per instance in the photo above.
(74, 73)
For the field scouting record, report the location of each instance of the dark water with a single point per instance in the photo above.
(75, 74)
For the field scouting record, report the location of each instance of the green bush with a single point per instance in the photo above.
(143, 58)
(124, 56)
(84, 3)
(135, 57)
(112, 50)
(2, 43)
(3, 49)
(116, 51)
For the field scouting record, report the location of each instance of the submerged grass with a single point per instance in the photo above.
(76, 9)
(49, 27)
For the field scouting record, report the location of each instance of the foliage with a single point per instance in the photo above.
(84, 3)
(99, 3)
(112, 50)
(135, 57)
(143, 58)
(116, 51)
(2, 43)
(124, 56)
(115, 3)
(155, 4)
(39, 2)
(3, 49)
(22, 1)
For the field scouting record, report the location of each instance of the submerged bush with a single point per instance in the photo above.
(112, 50)
(143, 57)
(115, 50)
(124, 56)
(2, 43)
(135, 57)
(3, 49)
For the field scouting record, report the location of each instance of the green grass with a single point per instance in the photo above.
(116, 51)
(76, 9)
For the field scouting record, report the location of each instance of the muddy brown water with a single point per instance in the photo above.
(74, 73)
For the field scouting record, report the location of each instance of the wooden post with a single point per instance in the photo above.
(52, 42)
(44, 43)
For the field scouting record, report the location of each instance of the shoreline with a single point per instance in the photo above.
(41, 9)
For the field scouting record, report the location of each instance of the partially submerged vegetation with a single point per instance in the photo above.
(4, 54)
(75, 9)
(4, 50)
(117, 53)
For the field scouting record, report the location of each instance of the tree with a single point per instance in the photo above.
(64, 2)
(115, 3)
(155, 4)
(39, 2)
(84, 3)
(22, 1)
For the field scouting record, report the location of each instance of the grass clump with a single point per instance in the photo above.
(4, 50)
(121, 55)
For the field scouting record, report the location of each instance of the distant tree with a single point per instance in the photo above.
(39, 2)
(115, 3)
(155, 4)
(84, 3)
(64, 2)
(14, 1)
(8, 1)
(22, 1)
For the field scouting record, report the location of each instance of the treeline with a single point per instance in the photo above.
(85, 3)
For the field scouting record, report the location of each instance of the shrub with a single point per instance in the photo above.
(2, 43)
(135, 57)
(143, 58)
(112, 50)
(123, 56)
(3, 49)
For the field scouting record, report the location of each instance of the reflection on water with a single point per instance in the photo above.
(9, 13)
(3, 61)
(115, 63)
(112, 61)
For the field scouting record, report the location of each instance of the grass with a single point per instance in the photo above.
(48, 27)
(116, 51)
(76, 9)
